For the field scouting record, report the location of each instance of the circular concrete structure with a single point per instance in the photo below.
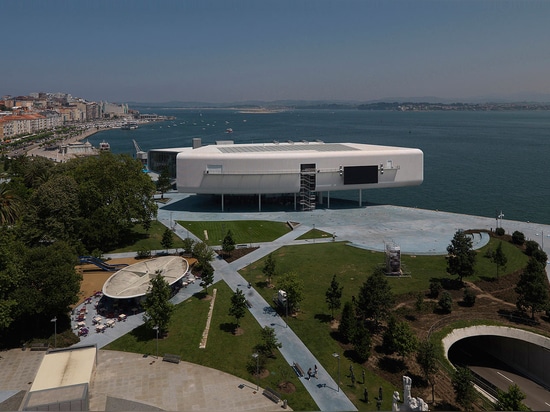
(134, 280)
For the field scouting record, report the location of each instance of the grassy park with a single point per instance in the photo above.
(315, 263)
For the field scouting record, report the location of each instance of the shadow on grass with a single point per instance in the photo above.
(323, 318)
(392, 365)
(200, 295)
(228, 327)
(143, 334)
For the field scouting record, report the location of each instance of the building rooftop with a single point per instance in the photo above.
(134, 280)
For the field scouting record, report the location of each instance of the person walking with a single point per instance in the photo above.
(309, 374)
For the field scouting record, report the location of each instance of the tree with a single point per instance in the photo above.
(532, 288)
(269, 342)
(167, 239)
(238, 306)
(157, 305)
(188, 244)
(427, 360)
(54, 212)
(228, 243)
(375, 297)
(465, 393)
(461, 258)
(499, 258)
(333, 296)
(294, 288)
(530, 247)
(511, 400)
(114, 194)
(400, 338)
(10, 206)
(269, 267)
(469, 298)
(203, 253)
(163, 182)
(348, 323)
(362, 342)
(207, 276)
(518, 238)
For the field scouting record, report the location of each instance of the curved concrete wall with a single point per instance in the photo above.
(527, 352)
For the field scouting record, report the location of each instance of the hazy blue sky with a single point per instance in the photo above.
(235, 50)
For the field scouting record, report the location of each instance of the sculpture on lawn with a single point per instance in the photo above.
(409, 403)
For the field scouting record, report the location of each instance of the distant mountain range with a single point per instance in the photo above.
(516, 98)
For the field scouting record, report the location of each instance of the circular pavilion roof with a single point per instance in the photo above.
(134, 280)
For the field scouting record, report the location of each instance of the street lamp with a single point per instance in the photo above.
(54, 320)
(255, 355)
(156, 327)
(337, 356)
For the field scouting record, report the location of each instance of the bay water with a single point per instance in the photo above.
(476, 163)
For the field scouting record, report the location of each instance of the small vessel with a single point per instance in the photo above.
(129, 126)
(229, 130)
(104, 146)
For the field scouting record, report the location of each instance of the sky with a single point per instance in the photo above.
(223, 51)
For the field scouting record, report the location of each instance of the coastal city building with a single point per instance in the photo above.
(303, 173)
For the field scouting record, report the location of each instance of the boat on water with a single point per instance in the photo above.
(129, 126)
(104, 146)
(229, 130)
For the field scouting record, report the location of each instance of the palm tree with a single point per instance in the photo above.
(10, 206)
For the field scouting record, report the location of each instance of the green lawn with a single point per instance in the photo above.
(243, 231)
(224, 351)
(315, 264)
(142, 240)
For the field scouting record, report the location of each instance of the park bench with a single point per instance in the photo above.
(271, 394)
(298, 369)
(168, 357)
(242, 246)
(39, 346)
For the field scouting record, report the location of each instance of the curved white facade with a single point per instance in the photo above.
(271, 168)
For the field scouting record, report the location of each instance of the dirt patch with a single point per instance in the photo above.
(286, 387)
(238, 331)
(236, 254)
(93, 278)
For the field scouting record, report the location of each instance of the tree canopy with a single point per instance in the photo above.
(461, 258)
(532, 288)
(375, 297)
(333, 296)
(157, 305)
(238, 306)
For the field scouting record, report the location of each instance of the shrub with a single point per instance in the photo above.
(469, 298)
(530, 247)
(143, 254)
(518, 238)
(446, 302)
(435, 289)
(499, 231)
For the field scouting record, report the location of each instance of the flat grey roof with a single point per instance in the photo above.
(287, 147)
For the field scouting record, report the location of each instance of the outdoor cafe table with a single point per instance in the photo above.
(100, 328)
(97, 319)
(81, 324)
(122, 316)
(110, 323)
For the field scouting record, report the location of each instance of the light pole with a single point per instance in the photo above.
(337, 356)
(156, 327)
(314, 233)
(54, 320)
(255, 355)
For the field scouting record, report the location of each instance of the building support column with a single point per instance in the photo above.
(222, 203)
(259, 202)
(294, 201)
(360, 197)
(328, 200)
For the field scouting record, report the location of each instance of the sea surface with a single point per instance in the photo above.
(476, 163)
